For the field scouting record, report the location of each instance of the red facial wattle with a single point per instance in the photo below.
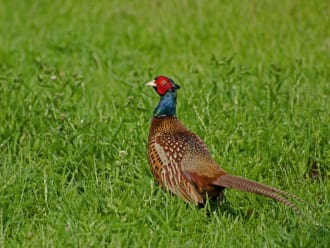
(163, 85)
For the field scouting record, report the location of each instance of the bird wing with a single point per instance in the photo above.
(168, 151)
(187, 166)
(197, 161)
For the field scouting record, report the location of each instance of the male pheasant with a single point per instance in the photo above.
(181, 162)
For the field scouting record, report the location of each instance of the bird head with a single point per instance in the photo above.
(163, 84)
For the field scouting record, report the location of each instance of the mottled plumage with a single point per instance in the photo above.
(180, 161)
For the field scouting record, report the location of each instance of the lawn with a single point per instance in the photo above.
(75, 115)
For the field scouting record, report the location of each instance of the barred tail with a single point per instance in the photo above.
(246, 185)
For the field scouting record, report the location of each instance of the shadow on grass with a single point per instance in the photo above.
(225, 209)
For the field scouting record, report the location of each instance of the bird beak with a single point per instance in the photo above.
(151, 83)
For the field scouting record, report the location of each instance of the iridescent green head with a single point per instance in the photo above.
(166, 88)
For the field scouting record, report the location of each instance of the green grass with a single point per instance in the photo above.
(74, 114)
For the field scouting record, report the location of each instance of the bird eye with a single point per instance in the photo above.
(163, 82)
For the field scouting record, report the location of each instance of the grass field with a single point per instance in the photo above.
(74, 114)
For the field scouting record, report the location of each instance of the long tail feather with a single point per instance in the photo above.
(246, 185)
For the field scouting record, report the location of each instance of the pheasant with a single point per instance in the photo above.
(181, 163)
